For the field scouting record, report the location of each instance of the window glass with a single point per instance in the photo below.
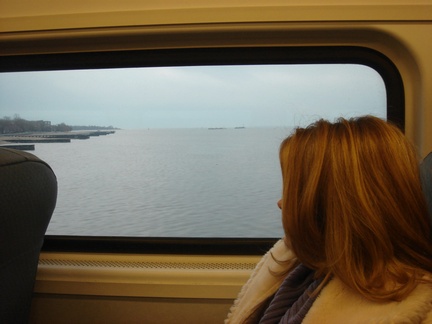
(182, 151)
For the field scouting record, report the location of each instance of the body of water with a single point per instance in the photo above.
(168, 183)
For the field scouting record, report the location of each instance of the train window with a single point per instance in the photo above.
(173, 145)
(189, 151)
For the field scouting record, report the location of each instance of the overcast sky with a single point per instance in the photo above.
(176, 97)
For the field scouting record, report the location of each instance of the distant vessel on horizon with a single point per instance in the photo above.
(219, 128)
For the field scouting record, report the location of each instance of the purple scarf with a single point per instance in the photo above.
(292, 301)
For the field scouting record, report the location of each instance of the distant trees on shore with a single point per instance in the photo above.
(9, 125)
(16, 124)
(93, 127)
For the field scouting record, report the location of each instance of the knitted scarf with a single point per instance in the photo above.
(293, 299)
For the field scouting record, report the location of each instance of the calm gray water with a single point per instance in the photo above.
(168, 183)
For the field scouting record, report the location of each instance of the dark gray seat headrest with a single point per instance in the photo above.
(28, 194)
(426, 179)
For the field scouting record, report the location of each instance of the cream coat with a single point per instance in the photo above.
(335, 304)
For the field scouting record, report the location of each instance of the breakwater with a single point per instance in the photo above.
(26, 141)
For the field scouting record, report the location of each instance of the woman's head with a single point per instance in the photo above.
(352, 204)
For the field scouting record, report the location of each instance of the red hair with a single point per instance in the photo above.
(353, 206)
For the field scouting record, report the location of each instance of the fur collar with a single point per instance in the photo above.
(335, 304)
(261, 285)
(339, 304)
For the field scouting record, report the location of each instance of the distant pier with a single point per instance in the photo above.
(26, 141)
(23, 147)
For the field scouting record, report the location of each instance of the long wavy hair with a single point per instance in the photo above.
(353, 207)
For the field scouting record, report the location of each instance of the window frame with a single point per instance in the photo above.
(195, 57)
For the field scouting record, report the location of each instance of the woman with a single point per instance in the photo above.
(357, 246)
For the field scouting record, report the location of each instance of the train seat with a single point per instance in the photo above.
(426, 178)
(28, 194)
